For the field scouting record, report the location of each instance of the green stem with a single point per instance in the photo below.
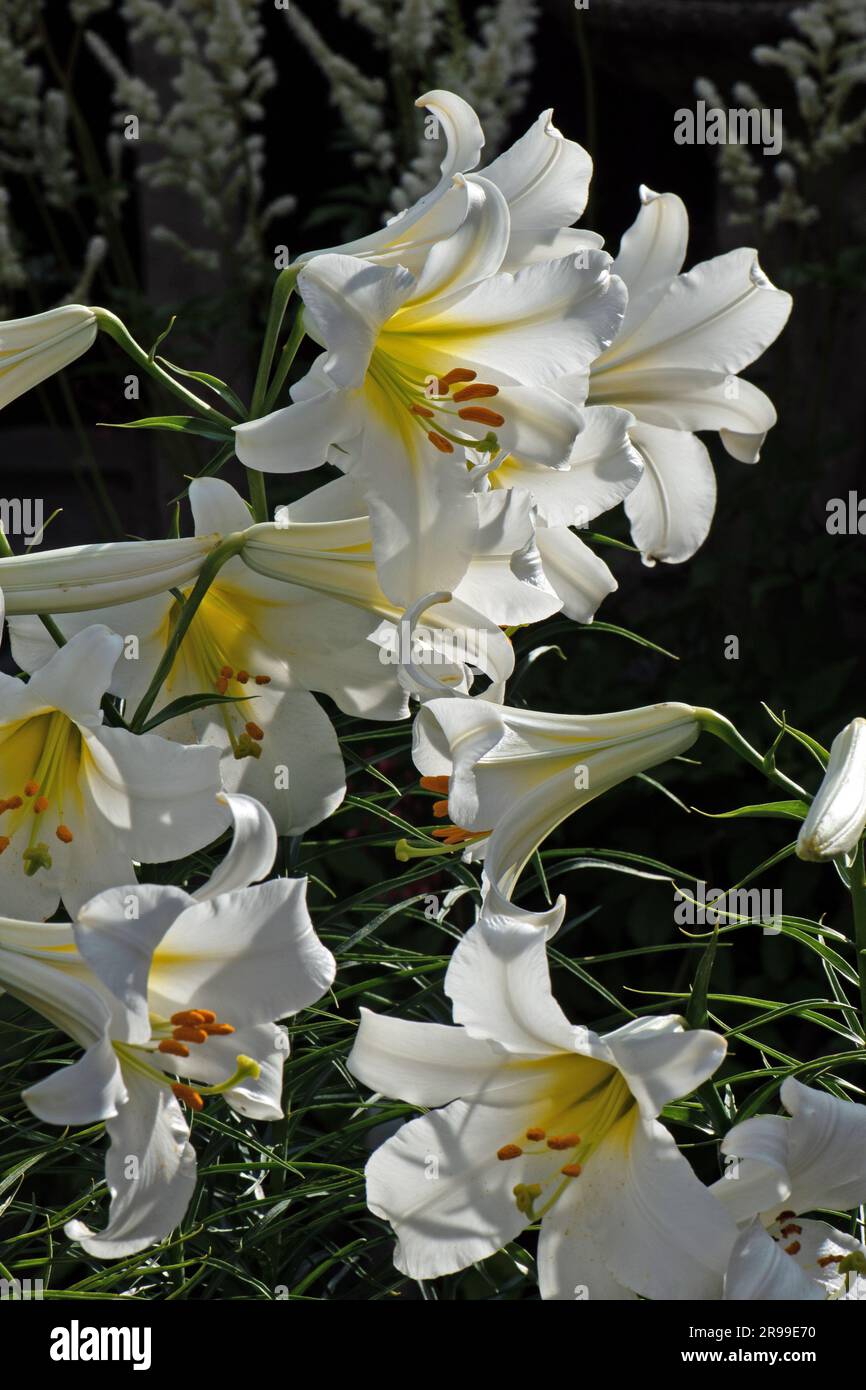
(282, 292)
(722, 728)
(287, 357)
(858, 899)
(232, 545)
(109, 323)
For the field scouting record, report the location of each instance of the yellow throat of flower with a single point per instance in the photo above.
(448, 409)
(212, 656)
(40, 769)
(582, 1102)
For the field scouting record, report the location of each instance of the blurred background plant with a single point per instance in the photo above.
(825, 64)
(419, 45)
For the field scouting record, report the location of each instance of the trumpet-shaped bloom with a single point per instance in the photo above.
(172, 1002)
(79, 578)
(544, 179)
(513, 775)
(814, 1160)
(79, 801)
(416, 370)
(534, 1119)
(34, 348)
(674, 365)
(266, 643)
(837, 816)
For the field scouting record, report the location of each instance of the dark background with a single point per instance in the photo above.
(769, 573)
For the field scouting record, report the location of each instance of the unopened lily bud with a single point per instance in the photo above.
(837, 816)
(33, 349)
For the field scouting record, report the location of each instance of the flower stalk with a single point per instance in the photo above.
(858, 902)
(231, 546)
(284, 286)
(720, 727)
(109, 323)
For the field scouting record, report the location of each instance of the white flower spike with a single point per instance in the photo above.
(536, 1119)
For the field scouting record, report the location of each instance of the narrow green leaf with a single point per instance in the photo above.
(220, 388)
(785, 810)
(176, 424)
(187, 703)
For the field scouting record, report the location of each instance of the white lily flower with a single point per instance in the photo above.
(268, 643)
(189, 987)
(513, 775)
(674, 365)
(418, 370)
(544, 179)
(79, 578)
(79, 801)
(602, 470)
(541, 1120)
(816, 1160)
(34, 348)
(837, 816)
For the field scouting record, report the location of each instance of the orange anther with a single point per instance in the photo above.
(563, 1141)
(474, 393)
(440, 809)
(205, 1015)
(5, 842)
(785, 1215)
(826, 1260)
(40, 805)
(435, 784)
(31, 788)
(218, 1030)
(193, 1017)
(185, 1033)
(263, 680)
(64, 834)
(242, 677)
(227, 672)
(452, 834)
(188, 1096)
(793, 1248)
(222, 685)
(571, 1170)
(509, 1151)
(11, 803)
(423, 410)
(176, 1049)
(254, 731)
(440, 442)
(535, 1135)
(455, 376)
(791, 1230)
(481, 415)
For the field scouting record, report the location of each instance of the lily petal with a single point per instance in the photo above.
(760, 1271)
(149, 1200)
(545, 180)
(672, 507)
